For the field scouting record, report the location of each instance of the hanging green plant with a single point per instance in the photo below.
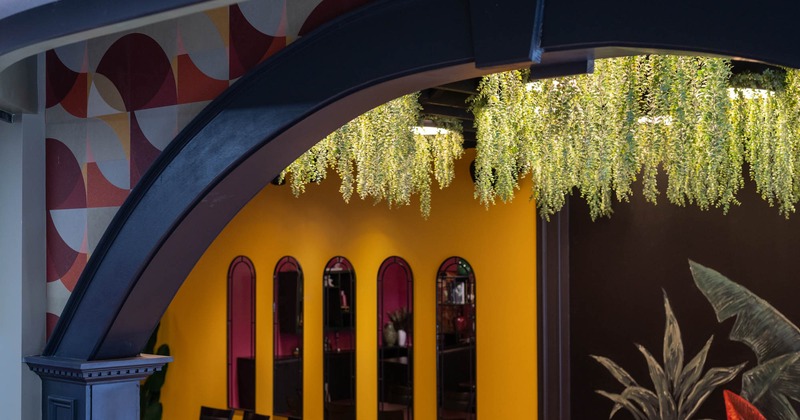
(381, 155)
(687, 117)
(633, 117)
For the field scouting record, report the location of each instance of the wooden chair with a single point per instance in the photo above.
(335, 411)
(209, 413)
(250, 415)
(392, 415)
(458, 405)
(295, 405)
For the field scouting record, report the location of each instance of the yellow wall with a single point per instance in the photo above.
(498, 243)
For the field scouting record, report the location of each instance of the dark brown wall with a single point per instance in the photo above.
(620, 265)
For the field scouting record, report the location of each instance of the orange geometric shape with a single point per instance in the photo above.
(219, 17)
(277, 44)
(101, 192)
(194, 85)
(121, 125)
(70, 278)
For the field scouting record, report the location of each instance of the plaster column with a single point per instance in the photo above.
(98, 390)
(22, 253)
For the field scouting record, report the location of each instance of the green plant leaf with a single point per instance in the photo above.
(163, 350)
(153, 412)
(673, 347)
(666, 405)
(619, 400)
(150, 389)
(710, 381)
(771, 336)
(155, 381)
(619, 373)
(691, 373)
(768, 385)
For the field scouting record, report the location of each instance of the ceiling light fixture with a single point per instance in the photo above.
(749, 93)
(425, 130)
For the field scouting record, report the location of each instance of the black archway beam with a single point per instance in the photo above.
(275, 113)
(241, 142)
(763, 30)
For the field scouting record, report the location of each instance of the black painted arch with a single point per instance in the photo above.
(275, 113)
(236, 146)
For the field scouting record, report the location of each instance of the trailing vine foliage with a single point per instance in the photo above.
(635, 116)
(379, 155)
(687, 117)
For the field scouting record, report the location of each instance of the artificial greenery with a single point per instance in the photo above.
(401, 318)
(597, 134)
(688, 117)
(150, 407)
(379, 155)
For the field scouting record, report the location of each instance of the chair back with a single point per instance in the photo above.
(457, 401)
(392, 415)
(340, 411)
(210, 413)
(249, 415)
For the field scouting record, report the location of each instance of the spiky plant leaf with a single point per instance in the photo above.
(691, 372)
(619, 400)
(673, 347)
(619, 373)
(666, 405)
(644, 398)
(762, 328)
(710, 381)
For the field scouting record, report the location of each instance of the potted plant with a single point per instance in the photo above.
(401, 320)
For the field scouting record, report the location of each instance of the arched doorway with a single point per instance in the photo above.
(170, 218)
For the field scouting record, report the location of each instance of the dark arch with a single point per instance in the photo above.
(250, 306)
(381, 51)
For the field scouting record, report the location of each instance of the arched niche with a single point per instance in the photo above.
(339, 339)
(456, 340)
(242, 334)
(287, 329)
(395, 339)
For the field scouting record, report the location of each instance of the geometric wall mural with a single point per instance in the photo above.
(114, 103)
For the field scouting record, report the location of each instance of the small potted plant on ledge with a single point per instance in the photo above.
(401, 319)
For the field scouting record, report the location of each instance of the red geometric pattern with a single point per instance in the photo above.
(140, 71)
(64, 179)
(249, 46)
(107, 80)
(194, 85)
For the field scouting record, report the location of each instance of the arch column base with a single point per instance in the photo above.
(93, 390)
